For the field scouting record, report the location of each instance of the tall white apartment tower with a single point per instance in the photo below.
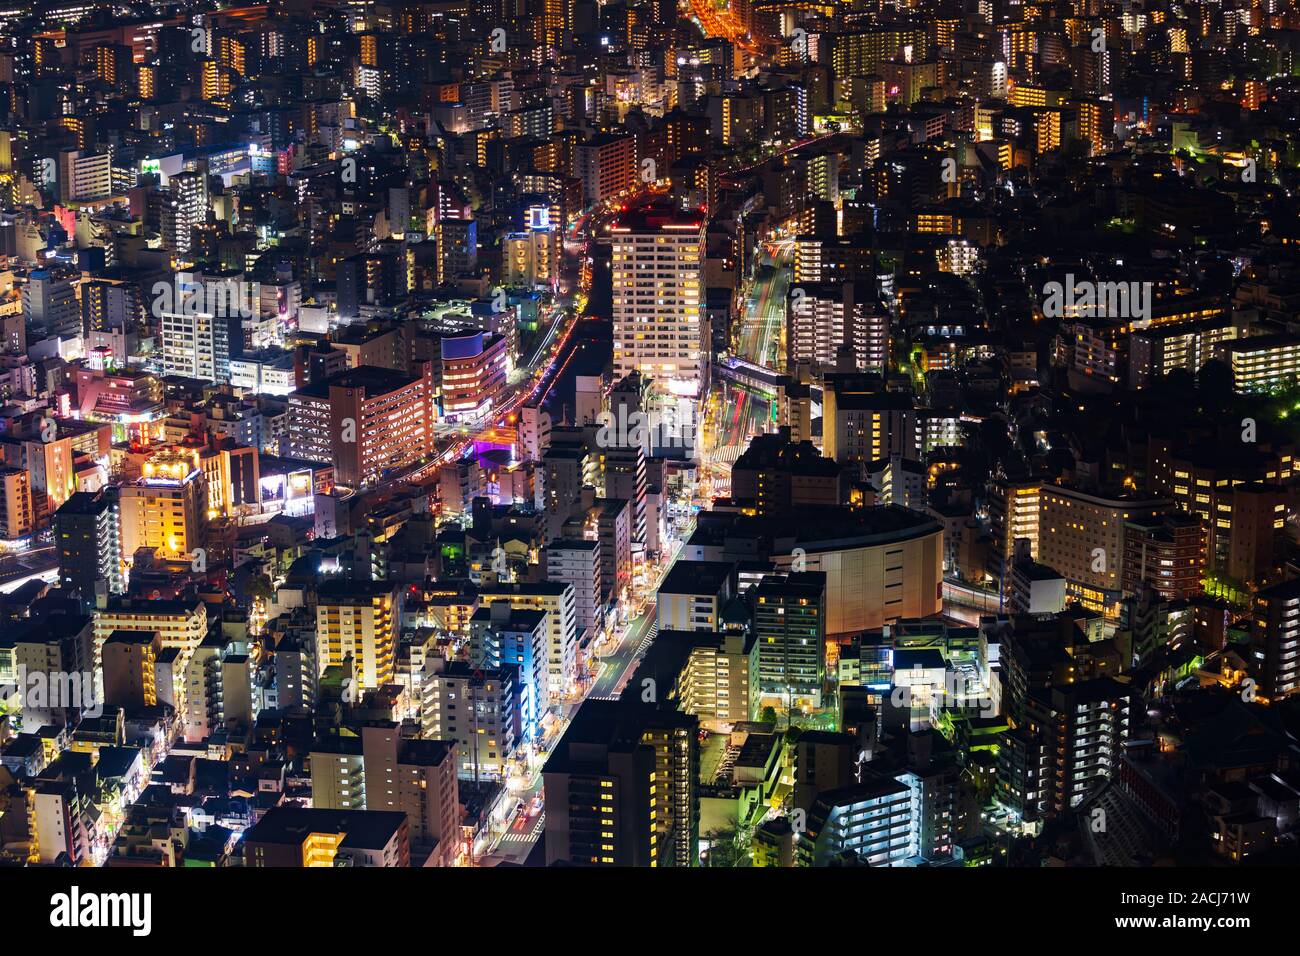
(186, 207)
(658, 275)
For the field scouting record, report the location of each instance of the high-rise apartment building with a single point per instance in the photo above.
(621, 787)
(1262, 362)
(863, 424)
(625, 477)
(790, 624)
(606, 164)
(185, 208)
(477, 706)
(693, 594)
(218, 693)
(711, 675)
(457, 245)
(1167, 553)
(200, 319)
(557, 21)
(110, 305)
(657, 265)
(1013, 515)
(869, 821)
(558, 599)
(418, 778)
(129, 660)
(1055, 684)
(59, 812)
(1081, 535)
(181, 625)
(338, 774)
(824, 317)
(50, 303)
(1157, 351)
(88, 539)
(358, 620)
(85, 177)
(57, 652)
(1082, 729)
(1240, 499)
(576, 562)
(367, 421)
(15, 504)
(614, 531)
(474, 369)
(293, 836)
(503, 635)
(1275, 638)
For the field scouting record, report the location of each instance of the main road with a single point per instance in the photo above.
(522, 830)
(737, 413)
(515, 841)
(721, 23)
(759, 338)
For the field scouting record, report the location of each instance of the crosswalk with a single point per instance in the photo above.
(531, 836)
(650, 634)
(727, 453)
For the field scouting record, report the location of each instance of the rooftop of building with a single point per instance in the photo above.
(464, 670)
(84, 503)
(1283, 590)
(658, 219)
(1032, 570)
(1258, 343)
(819, 529)
(114, 762)
(370, 378)
(1106, 497)
(856, 401)
(1174, 521)
(362, 829)
(43, 629)
(525, 588)
(149, 608)
(425, 753)
(757, 750)
(799, 584)
(340, 588)
(519, 619)
(338, 744)
(670, 652)
(918, 659)
(132, 637)
(697, 577)
(871, 787)
(602, 727)
(777, 451)
(826, 738)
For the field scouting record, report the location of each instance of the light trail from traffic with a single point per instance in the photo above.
(722, 23)
(760, 340)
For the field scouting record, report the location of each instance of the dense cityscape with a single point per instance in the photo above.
(640, 433)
